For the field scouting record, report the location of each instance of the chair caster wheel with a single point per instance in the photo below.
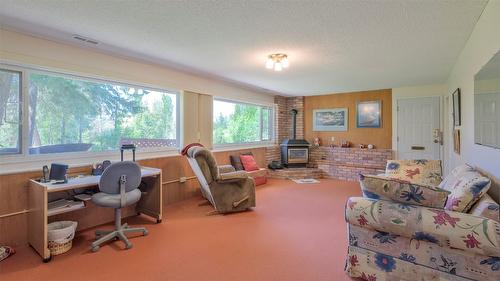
(47, 259)
(158, 221)
(128, 246)
(94, 249)
(145, 233)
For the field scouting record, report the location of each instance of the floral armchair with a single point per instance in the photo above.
(402, 230)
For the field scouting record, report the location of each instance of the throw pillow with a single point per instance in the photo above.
(426, 172)
(376, 187)
(236, 162)
(249, 162)
(5, 252)
(465, 188)
(486, 207)
(451, 179)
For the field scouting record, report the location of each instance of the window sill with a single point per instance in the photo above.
(231, 147)
(20, 163)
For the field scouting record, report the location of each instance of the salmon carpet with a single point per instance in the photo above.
(296, 232)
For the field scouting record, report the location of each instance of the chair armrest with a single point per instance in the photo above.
(457, 230)
(226, 169)
(237, 175)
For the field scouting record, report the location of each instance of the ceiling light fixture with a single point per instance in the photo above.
(277, 62)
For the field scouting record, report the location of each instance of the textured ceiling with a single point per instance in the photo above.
(333, 46)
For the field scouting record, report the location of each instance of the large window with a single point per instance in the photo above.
(239, 123)
(10, 112)
(75, 114)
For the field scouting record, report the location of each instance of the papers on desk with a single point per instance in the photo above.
(63, 206)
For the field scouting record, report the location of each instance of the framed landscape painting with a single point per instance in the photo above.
(368, 114)
(335, 119)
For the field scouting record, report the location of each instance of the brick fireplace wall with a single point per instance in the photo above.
(339, 163)
(284, 117)
(283, 123)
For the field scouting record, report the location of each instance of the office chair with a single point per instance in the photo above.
(118, 188)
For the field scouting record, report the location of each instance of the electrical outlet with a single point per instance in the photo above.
(182, 179)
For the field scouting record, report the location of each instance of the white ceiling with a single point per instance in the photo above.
(333, 46)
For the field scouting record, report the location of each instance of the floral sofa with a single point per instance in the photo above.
(407, 229)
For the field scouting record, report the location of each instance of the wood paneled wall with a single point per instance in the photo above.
(380, 137)
(14, 189)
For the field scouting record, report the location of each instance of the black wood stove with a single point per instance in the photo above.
(294, 152)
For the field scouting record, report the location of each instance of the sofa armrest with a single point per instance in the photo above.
(457, 230)
(225, 169)
(236, 175)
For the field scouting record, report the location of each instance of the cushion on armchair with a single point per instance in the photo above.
(236, 162)
(248, 162)
(466, 186)
(486, 207)
(251, 166)
(378, 187)
(426, 172)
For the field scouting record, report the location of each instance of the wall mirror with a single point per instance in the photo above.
(487, 104)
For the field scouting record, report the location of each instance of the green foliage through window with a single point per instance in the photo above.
(241, 122)
(10, 108)
(69, 114)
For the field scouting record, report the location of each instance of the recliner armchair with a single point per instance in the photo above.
(226, 189)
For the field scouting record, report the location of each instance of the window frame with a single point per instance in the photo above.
(20, 108)
(84, 157)
(261, 143)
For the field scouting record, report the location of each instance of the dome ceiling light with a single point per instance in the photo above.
(277, 62)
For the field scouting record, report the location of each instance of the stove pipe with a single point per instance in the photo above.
(294, 123)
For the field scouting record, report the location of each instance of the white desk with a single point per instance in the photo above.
(150, 204)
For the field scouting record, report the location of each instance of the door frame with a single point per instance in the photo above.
(447, 132)
(441, 124)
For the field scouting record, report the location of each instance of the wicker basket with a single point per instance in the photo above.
(57, 249)
(60, 236)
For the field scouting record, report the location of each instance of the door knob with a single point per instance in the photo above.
(437, 136)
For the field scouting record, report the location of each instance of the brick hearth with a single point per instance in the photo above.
(339, 163)
(348, 163)
(296, 173)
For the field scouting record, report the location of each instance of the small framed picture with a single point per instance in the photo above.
(456, 108)
(368, 114)
(335, 119)
(456, 141)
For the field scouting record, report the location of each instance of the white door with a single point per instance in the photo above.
(419, 132)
